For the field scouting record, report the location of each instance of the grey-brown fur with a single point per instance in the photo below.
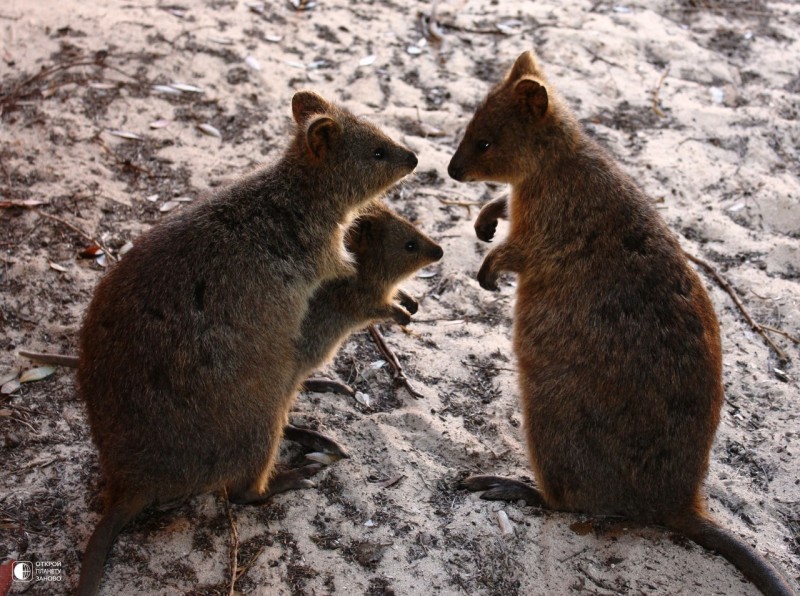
(187, 355)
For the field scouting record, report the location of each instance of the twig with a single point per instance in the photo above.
(234, 542)
(595, 57)
(398, 376)
(783, 333)
(757, 327)
(77, 230)
(466, 204)
(656, 108)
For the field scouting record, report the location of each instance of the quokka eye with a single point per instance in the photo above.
(380, 153)
(483, 146)
(411, 246)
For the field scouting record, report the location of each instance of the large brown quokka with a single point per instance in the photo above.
(187, 354)
(617, 342)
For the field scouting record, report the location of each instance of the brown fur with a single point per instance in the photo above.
(187, 352)
(387, 249)
(617, 341)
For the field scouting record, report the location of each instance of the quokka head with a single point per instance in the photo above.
(510, 130)
(388, 248)
(356, 156)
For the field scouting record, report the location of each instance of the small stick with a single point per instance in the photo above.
(398, 376)
(76, 229)
(234, 542)
(656, 108)
(783, 333)
(758, 328)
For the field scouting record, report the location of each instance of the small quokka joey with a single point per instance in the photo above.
(187, 358)
(620, 366)
(387, 249)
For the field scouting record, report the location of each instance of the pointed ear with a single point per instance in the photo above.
(533, 94)
(307, 103)
(359, 237)
(321, 132)
(525, 65)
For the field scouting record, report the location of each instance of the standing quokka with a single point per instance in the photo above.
(617, 342)
(387, 249)
(187, 357)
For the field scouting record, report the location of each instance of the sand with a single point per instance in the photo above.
(699, 102)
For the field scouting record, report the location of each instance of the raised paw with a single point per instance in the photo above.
(400, 316)
(498, 488)
(407, 301)
(487, 278)
(485, 229)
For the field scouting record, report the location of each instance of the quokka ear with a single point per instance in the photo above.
(307, 103)
(533, 94)
(525, 65)
(321, 132)
(359, 235)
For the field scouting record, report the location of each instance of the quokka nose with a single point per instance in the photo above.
(455, 172)
(437, 253)
(411, 160)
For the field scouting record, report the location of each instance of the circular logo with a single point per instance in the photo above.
(23, 571)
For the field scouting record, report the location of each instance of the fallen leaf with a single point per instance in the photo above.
(125, 134)
(166, 89)
(168, 206)
(161, 123)
(152, 198)
(209, 130)
(368, 60)
(362, 398)
(10, 387)
(186, 88)
(57, 267)
(427, 274)
(414, 50)
(103, 86)
(252, 63)
(273, 38)
(125, 248)
(36, 374)
(91, 252)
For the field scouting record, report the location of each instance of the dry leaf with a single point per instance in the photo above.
(36, 374)
(186, 88)
(152, 198)
(223, 41)
(273, 38)
(6, 412)
(91, 252)
(252, 63)
(414, 50)
(125, 134)
(57, 267)
(505, 524)
(168, 206)
(209, 130)
(166, 89)
(427, 274)
(362, 398)
(368, 60)
(103, 86)
(125, 248)
(10, 387)
(162, 123)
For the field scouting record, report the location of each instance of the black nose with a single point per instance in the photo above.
(411, 160)
(437, 253)
(455, 172)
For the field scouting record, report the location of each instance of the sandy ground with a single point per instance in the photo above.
(721, 161)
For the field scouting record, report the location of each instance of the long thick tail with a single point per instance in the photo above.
(754, 566)
(57, 359)
(94, 558)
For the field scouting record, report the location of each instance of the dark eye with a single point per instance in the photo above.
(380, 153)
(483, 146)
(411, 246)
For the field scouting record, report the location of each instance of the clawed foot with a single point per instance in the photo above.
(319, 443)
(295, 479)
(320, 385)
(498, 488)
